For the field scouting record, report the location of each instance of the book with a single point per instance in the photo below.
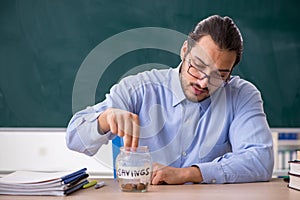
(294, 175)
(43, 183)
(294, 167)
(294, 181)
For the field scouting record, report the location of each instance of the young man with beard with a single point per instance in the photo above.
(201, 123)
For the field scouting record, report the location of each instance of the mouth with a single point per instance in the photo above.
(197, 90)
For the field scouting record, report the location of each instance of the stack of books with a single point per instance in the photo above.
(43, 183)
(294, 174)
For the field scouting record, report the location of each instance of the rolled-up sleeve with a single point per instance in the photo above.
(83, 134)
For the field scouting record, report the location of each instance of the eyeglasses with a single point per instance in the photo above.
(214, 78)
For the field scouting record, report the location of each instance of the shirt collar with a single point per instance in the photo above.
(176, 88)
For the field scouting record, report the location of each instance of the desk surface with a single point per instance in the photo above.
(275, 189)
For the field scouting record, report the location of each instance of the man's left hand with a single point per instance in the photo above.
(171, 175)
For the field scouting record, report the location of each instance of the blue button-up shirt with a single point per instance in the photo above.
(227, 135)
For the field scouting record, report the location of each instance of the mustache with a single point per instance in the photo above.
(199, 87)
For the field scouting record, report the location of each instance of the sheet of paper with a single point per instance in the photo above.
(31, 177)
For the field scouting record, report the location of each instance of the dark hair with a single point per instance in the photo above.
(224, 33)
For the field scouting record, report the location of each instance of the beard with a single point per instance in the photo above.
(193, 91)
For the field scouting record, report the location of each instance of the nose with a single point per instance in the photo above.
(203, 82)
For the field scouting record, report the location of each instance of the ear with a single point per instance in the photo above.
(183, 50)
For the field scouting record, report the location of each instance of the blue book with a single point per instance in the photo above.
(74, 176)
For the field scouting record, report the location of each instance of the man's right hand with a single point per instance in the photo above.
(122, 123)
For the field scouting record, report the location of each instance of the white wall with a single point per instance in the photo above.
(46, 150)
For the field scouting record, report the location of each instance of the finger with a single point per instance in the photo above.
(111, 120)
(153, 175)
(127, 126)
(127, 141)
(135, 139)
(127, 130)
(135, 131)
(157, 179)
(120, 125)
(154, 171)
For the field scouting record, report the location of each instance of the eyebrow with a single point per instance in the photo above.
(201, 61)
(220, 70)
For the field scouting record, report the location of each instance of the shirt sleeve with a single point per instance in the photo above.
(83, 134)
(252, 156)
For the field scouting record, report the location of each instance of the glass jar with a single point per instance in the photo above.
(134, 169)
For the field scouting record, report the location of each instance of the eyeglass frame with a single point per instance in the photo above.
(224, 82)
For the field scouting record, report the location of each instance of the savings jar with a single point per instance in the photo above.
(134, 169)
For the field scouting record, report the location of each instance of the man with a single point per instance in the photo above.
(200, 123)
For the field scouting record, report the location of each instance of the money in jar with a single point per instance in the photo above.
(134, 169)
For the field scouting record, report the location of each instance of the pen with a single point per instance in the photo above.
(90, 184)
(99, 185)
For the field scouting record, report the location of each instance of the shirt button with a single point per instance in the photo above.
(184, 153)
(213, 181)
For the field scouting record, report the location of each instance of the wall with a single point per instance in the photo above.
(44, 44)
(45, 150)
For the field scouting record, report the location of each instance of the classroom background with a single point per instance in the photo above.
(48, 46)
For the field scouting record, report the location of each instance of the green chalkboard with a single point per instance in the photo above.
(45, 45)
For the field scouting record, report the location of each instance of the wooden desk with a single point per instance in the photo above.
(273, 190)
